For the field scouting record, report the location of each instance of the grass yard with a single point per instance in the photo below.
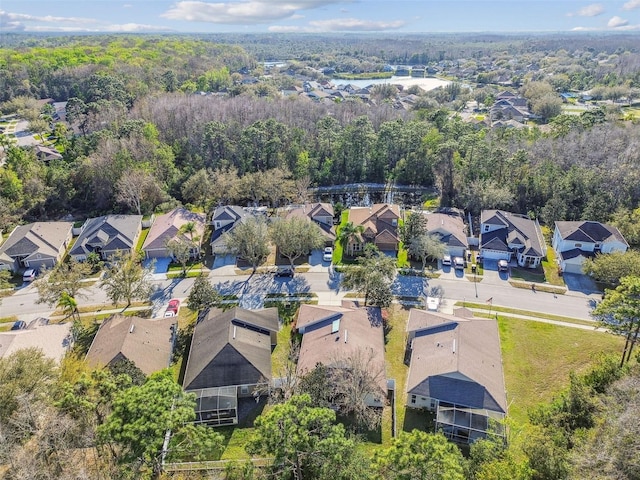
(141, 239)
(403, 257)
(537, 358)
(396, 369)
(492, 310)
(338, 249)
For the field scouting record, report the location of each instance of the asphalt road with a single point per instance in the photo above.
(252, 289)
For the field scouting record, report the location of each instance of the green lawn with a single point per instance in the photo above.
(537, 358)
(337, 249)
(550, 267)
(493, 310)
(142, 238)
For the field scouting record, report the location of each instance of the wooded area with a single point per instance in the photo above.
(144, 141)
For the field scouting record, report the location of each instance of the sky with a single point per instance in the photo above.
(319, 16)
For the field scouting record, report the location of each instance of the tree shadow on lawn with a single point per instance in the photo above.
(248, 411)
(418, 419)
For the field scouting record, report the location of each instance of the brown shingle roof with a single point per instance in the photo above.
(354, 329)
(167, 227)
(145, 342)
(457, 360)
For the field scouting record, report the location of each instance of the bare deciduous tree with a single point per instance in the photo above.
(139, 190)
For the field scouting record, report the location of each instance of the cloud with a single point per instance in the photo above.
(592, 10)
(32, 23)
(241, 12)
(20, 18)
(631, 5)
(356, 25)
(339, 25)
(617, 22)
(135, 27)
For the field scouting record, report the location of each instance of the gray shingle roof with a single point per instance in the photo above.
(109, 232)
(516, 229)
(587, 231)
(456, 360)
(46, 238)
(231, 347)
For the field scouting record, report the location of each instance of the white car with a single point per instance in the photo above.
(446, 260)
(327, 256)
(458, 263)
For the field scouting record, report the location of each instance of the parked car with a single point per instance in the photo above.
(328, 254)
(19, 325)
(458, 263)
(503, 265)
(446, 260)
(172, 308)
(29, 275)
(284, 272)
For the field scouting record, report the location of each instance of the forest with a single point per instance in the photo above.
(134, 119)
(155, 121)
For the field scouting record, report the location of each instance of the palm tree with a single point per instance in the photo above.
(350, 233)
(190, 229)
(69, 305)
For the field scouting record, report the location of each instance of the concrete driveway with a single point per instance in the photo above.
(580, 283)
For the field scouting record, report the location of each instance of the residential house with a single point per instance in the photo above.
(170, 226)
(36, 245)
(576, 241)
(332, 335)
(107, 235)
(456, 371)
(380, 224)
(505, 235)
(148, 343)
(224, 218)
(53, 340)
(451, 230)
(47, 154)
(319, 213)
(229, 358)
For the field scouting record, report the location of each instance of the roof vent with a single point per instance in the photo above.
(454, 345)
(234, 331)
(132, 327)
(345, 336)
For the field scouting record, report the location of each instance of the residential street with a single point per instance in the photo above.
(251, 289)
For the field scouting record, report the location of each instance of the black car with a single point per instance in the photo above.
(284, 272)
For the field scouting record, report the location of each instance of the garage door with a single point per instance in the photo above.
(572, 268)
(157, 253)
(495, 255)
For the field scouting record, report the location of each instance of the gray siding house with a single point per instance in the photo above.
(36, 245)
(456, 371)
(107, 235)
(230, 357)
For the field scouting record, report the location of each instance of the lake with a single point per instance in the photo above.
(425, 83)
